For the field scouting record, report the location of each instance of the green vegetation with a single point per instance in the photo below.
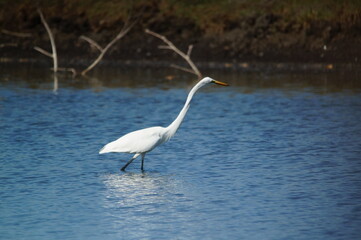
(231, 28)
(212, 16)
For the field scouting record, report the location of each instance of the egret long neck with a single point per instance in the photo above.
(173, 127)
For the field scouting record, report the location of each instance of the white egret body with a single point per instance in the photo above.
(145, 140)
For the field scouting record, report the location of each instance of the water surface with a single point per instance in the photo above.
(274, 156)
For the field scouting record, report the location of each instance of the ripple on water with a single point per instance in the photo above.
(266, 164)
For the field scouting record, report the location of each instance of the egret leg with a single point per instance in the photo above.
(129, 162)
(142, 167)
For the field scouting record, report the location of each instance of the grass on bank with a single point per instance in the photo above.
(210, 16)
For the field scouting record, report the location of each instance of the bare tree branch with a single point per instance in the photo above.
(164, 47)
(16, 34)
(126, 28)
(72, 70)
(121, 34)
(52, 55)
(8, 45)
(91, 42)
(190, 48)
(46, 53)
(52, 42)
(186, 57)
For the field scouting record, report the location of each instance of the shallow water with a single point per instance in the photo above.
(274, 156)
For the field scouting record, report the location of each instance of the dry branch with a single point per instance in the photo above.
(46, 53)
(72, 70)
(8, 45)
(121, 34)
(16, 34)
(91, 42)
(52, 42)
(185, 56)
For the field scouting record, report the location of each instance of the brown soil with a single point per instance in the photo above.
(266, 37)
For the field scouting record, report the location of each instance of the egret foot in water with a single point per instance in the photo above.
(131, 160)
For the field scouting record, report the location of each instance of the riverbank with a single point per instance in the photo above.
(232, 33)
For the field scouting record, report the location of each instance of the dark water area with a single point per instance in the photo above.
(273, 156)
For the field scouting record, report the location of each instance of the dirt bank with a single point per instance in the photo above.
(222, 31)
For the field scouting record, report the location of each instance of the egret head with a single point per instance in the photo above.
(207, 80)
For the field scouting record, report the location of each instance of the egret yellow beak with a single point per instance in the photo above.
(220, 83)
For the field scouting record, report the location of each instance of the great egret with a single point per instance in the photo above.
(145, 140)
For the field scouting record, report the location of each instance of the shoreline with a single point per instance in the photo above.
(252, 66)
(230, 32)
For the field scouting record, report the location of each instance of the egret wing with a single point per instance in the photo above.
(140, 141)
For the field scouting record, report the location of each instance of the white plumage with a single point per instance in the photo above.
(145, 140)
(139, 141)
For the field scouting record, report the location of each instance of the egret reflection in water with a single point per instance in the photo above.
(133, 190)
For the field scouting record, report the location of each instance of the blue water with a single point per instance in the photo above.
(249, 162)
